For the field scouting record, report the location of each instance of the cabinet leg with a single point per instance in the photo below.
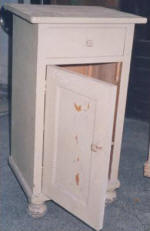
(37, 210)
(111, 191)
(110, 196)
(147, 168)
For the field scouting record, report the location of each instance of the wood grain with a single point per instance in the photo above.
(108, 72)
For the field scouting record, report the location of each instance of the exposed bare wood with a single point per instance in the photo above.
(117, 77)
(108, 72)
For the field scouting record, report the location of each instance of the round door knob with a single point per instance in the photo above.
(95, 147)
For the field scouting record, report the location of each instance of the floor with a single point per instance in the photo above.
(130, 212)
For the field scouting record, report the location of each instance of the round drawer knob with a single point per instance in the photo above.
(89, 43)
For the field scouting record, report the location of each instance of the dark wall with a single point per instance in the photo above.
(107, 3)
(40, 1)
(139, 7)
(138, 101)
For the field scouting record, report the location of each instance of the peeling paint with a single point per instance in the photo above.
(78, 107)
(76, 138)
(78, 159)
(77, 178)
(88, 106)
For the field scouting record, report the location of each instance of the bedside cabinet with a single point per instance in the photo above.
(69, 86)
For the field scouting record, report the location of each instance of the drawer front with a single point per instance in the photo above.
(82, 42)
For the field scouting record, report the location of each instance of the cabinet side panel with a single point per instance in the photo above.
(23, 97)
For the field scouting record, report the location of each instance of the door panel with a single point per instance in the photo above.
(75, 127)
(78, 132)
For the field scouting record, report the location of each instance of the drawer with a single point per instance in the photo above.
(82, 42)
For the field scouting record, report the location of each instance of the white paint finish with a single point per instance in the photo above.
(113, 184)
(39, 123)
(23, 97)
(27, 189)
(29, 72)
(77, 60)
(79, 113)
(91, 41)
(72, 14)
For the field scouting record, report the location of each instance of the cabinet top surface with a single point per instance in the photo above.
(71, 14)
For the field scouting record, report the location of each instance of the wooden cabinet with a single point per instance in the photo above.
(69, 85)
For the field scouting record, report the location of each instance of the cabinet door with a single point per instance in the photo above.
(79, 114)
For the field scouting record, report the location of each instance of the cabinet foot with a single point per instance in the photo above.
(37, 210)
(147, 169)
(110, 196)
(111, 193)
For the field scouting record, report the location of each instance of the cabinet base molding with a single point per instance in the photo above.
(147, 169)
(33, 198)
(37, 210)
(20, 177)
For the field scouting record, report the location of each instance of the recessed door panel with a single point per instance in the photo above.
(79, 114)
(74, 134)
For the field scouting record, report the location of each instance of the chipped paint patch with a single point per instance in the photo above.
(76, 139)
(78, 159)
(78, 107)
(77, 179)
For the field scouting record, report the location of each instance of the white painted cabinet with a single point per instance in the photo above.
(69, 85)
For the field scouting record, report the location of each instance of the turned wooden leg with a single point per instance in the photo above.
(111, 191)
(110, 196)
(37, 210)
(147, 168)
(147, 165)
